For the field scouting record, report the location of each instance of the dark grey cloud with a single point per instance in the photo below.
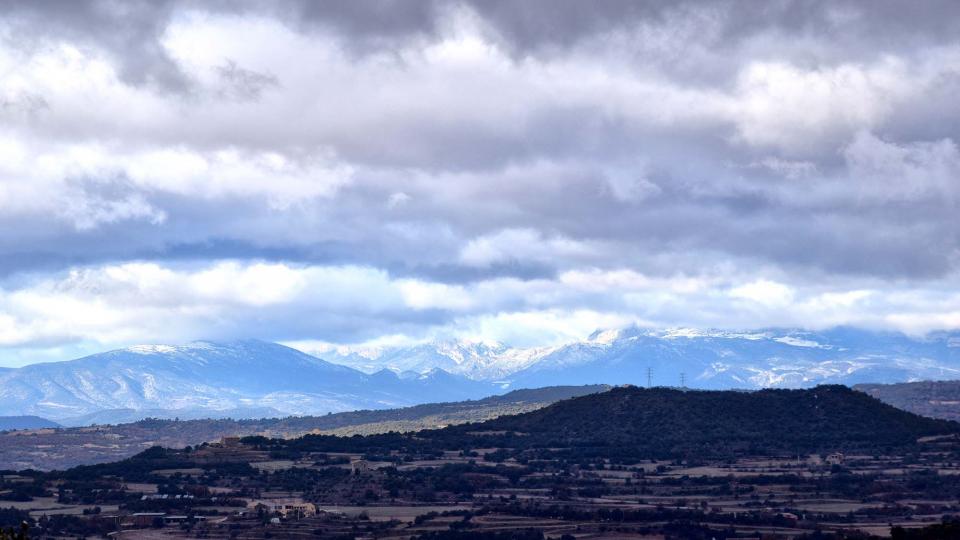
(129, 31)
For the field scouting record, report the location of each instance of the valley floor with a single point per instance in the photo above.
(236, 490)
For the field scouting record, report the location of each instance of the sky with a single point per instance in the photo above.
(385, 171)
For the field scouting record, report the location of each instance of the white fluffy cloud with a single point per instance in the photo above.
(302, 171)
(522, 245)
(81, 183)
(140, 302)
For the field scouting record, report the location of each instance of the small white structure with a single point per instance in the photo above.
(835, 458)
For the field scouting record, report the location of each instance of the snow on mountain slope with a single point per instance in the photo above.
(213, 377)
(474, 359)
(705, 358)
(770, 358)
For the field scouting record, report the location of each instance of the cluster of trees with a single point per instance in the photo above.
(22, 491)
(12, 518)
(458, 479)
(18, 525)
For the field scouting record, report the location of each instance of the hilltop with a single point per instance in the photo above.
(670, 421)
(635, 423)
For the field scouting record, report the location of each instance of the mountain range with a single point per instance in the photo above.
(206, 379)
(255, 379)
(785, 358)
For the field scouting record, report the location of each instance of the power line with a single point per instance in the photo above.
(683, 380)
(649, 377)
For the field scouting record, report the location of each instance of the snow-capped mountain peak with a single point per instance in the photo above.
(479, 360)
(704, 357)
(605, 337)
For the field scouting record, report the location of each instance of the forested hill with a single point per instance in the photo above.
(825, 417)
(631, 422)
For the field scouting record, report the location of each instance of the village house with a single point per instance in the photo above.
(288, 508)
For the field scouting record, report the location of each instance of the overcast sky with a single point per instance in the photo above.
(395, 171)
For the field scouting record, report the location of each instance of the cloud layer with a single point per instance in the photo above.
(379, 170)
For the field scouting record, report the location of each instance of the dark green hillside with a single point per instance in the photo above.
(633, 423)
(664, 420)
